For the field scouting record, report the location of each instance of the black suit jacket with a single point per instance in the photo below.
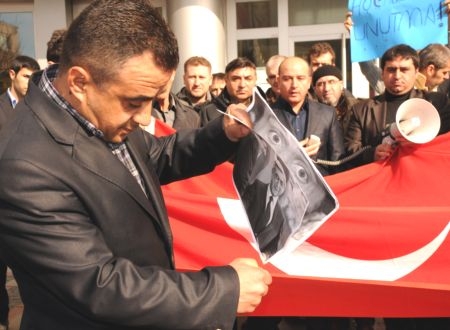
(322, 121)
(88, 248)
(6, 109)
(266, 228)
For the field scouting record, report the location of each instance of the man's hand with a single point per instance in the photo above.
(311, 146)
(348, 23)
(254, 284)
(383, 151)
(236, 122)
(446, 5)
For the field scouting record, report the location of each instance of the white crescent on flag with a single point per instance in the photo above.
(310, 260)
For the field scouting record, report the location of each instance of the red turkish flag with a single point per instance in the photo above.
(385, 252)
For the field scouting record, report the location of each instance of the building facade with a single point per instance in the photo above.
(219, 30)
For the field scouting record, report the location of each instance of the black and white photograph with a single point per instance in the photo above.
(285, 197)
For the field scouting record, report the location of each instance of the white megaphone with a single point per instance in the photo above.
(416, 121)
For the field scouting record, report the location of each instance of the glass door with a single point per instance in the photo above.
(301, 49)
(302, 38)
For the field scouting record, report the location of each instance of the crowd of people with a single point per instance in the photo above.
(83, 223)
(309, 98)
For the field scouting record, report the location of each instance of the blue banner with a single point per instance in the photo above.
(381, 24)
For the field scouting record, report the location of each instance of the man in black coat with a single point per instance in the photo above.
(174, 111)
(240, 81)
(307, 119)
(83, 224)
(369, 118)
(19, 74)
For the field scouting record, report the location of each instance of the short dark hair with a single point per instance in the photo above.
(55, 44)
(238, 63)
(401, 50)
(320, 48)
(23, 61)
(109, 32)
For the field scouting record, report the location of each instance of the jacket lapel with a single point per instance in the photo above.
(139, 153)
(95, 156)
(313, 120)
(379, 114)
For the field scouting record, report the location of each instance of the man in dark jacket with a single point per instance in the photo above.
(19, 74)
(314, 124)
(83, 224)
(329, 89)
(240, 80)
(173, 111)
(370, 118)
(197, 81)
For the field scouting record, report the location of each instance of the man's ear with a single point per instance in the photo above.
(12, 74)
(431, 69)
(78, 79)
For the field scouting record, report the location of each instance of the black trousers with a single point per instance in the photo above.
(4, 299)
(308, 323)
(436, 323)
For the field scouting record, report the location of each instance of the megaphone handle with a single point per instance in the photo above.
(388, 140)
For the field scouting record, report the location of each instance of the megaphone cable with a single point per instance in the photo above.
(342, 160)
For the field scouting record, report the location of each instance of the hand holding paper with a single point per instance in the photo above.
(236, 122)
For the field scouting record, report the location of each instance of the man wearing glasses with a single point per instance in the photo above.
(329, 89)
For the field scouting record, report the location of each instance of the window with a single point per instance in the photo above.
(307, 12)
(256, 14)
(258, 50)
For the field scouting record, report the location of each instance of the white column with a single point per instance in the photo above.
(199, 28)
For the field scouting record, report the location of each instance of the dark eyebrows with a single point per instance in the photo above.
(395, 68)
(140, 98)
(241, 77)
